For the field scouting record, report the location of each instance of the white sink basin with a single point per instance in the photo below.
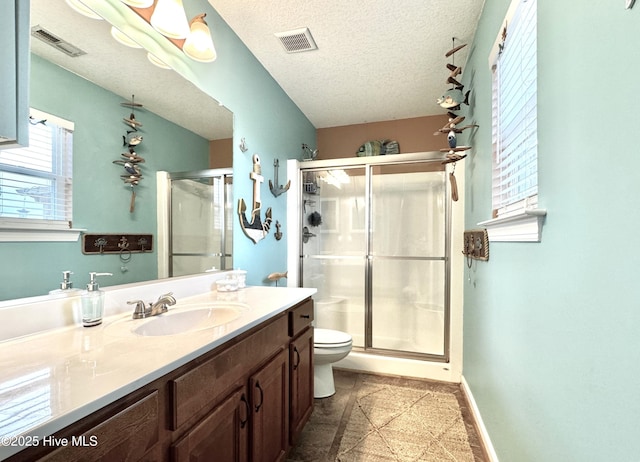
(182, 319)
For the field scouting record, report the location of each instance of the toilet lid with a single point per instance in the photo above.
(330, 337)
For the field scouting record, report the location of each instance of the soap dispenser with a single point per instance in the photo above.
(93, 301)
(66, 286)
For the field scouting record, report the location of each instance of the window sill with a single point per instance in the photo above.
(8, 234)
(525, 226)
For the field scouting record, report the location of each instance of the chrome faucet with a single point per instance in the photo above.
(154, 309)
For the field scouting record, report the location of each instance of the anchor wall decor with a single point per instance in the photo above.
(276, 189)
(254, 228)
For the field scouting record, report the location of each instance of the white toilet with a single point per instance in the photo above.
(329, 346)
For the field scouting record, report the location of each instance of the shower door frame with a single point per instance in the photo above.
(223, 173)
(368, 163)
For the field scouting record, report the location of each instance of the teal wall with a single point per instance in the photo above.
(551, 329)
(272, 126)
(100, 198)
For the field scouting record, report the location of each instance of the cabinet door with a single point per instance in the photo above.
(270, 410)
(301, 360)
(221, 436)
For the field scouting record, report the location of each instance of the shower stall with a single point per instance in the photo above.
(198, 233)
(375, 241)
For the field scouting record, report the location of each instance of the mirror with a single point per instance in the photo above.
(123, 71)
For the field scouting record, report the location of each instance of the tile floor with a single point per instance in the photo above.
(375, 418)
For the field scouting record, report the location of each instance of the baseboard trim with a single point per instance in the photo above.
(482, 430)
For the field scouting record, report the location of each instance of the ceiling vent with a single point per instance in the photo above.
(295, 41)
(47, 37)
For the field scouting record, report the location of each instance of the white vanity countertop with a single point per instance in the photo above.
(54, 378)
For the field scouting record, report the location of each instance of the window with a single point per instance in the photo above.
(514, 123)
(36, 181)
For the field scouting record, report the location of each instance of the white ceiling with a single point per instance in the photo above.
(376, 59)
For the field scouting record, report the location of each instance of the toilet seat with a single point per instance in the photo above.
(329, 338)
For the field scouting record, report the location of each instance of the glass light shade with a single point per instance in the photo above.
(199, 45)
(138, 3)
(122, 38)
(80, 7)
(170, 20)
(157, 62)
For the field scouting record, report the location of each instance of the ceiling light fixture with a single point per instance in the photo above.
(169, 18)
(157, 62)
(199, 45)
(123, 38)
(138, 3)
(81, 8)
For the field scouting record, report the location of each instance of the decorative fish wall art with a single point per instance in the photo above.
(451, 100)
(130, 161)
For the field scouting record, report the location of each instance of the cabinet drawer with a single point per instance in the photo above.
(198, 390)
(300, 317)
(128, 435)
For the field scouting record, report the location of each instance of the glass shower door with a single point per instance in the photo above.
(200, 229)
(408, 259)
(375, 245)
(333, 252)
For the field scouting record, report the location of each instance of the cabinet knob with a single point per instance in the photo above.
(305, 316)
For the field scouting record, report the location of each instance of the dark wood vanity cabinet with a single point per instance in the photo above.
(301, 369)
(251, 424)
(105, 440)
(269, 420)
(247, 400)
(221, 436)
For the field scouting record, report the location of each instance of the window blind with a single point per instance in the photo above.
(514, 109)
(36, 181)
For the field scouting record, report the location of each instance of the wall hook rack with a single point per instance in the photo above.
(116, 243)
(476, 245)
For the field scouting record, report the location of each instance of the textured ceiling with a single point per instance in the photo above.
(376, 59)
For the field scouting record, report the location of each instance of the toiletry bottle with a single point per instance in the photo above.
(66, 286)
(93, 302)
